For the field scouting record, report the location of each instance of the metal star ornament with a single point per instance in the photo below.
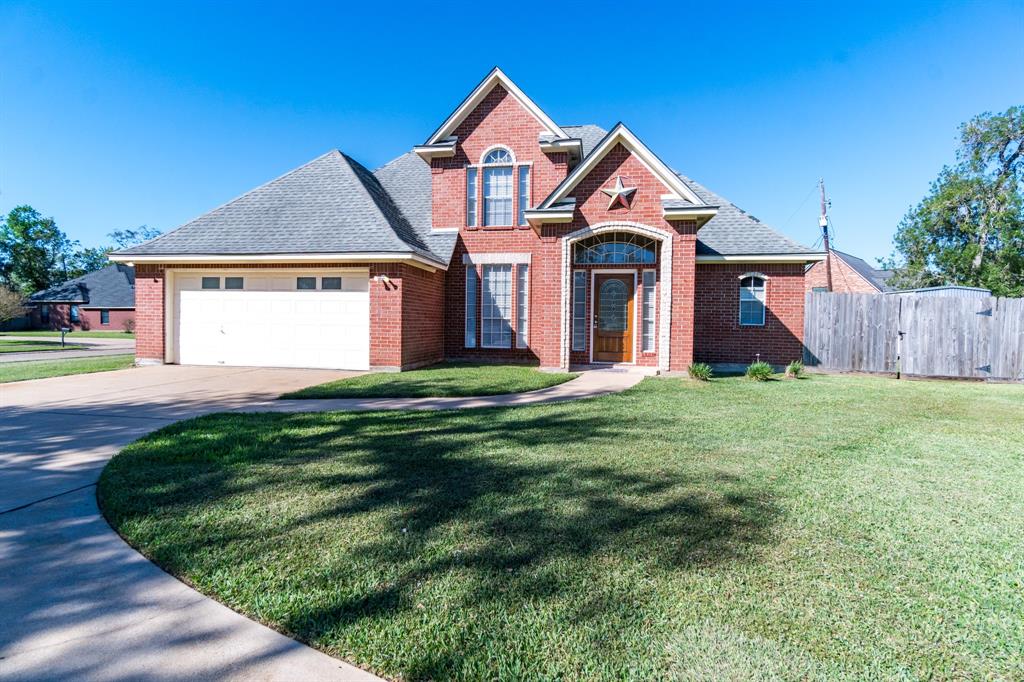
(620, 194)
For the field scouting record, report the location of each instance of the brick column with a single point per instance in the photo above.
(149, 314)
(386, 317)
(684, 266)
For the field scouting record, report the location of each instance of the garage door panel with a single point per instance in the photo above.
(269, 323)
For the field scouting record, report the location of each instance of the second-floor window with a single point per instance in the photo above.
(497, 166)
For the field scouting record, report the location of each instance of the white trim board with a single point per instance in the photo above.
(412, 259)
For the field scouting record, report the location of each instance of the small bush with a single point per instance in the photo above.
(759, 371)
(794, 369)
(701, 371)
(129, 326)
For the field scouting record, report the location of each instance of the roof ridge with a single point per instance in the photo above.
(227, 203)
(376, 207)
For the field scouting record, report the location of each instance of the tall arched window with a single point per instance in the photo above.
(752, 300)
(497, 165)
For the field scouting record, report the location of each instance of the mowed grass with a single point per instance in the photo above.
(819, 529)
(42, 369)
(13, 346)
(74, 334)
(447, 380)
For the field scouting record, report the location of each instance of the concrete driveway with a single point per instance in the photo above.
(91, 347)
(79, 603)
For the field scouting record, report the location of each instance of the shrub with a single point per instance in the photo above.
(794, 369)
(129, 326)
(701, 371)
(759, 371)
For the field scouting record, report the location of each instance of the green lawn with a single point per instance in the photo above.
(75, 334)
(8, 346)
(442, 380)
(828, 528)
(41, 369)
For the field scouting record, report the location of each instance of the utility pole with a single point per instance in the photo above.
(823, 222)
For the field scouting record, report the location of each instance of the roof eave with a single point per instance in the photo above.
(296, 258)
(809, 257)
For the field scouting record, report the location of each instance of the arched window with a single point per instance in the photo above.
(752, 300)
(497, 165)
(616, 248)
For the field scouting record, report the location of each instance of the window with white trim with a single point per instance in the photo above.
(74, 313)
(498, 187)
(579, 310)
(524, 194)
(496, 309)
(752, 301)
(105, 317)
(471, 197)
(522, 305)
(647, 312)
(471, 307)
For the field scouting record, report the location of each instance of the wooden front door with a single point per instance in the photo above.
(613, 318)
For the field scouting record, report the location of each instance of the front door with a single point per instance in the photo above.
(613, 318)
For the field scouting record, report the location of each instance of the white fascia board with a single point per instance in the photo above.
(413, 259)
(479, 93)
(541, 217)
(554, 146)
(689, 212)
(621, 134)
(763, 258)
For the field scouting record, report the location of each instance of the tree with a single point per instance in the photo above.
(969, 229)
(34, 253)
(88, 260)
(12, 304)
(125, 238)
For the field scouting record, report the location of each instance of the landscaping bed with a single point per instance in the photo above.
(825, 528)
(447, 380)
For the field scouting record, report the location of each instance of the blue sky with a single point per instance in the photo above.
(112, 116)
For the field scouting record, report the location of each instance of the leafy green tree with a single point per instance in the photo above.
(969, 229)
(34, 253)
(89, 259)
(125, 238)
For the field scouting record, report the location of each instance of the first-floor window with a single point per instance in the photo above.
(104, 317)
(522, 305)
(44, 314)
(471, 307)
(579, 310)
(234, 282)
(74, 313)
(496, 311)
(752, 301)
(647, 312)
(211, 282)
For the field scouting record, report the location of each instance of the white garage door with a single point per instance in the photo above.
(276, 320)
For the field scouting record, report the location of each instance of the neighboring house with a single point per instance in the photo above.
(100, 300)
(503, 237)
(850, 275)
(946, 290)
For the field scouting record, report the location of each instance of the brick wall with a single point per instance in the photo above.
(845, 280)
(149, 313)
(88, 318)
(719, 336)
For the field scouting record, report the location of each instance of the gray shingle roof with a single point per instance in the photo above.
(407, 181)
(330, 205)
(872, 275)
(109, 287)
(588, 134)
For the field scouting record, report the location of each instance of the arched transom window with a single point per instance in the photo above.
(497, 165)
(752, 300)
(616, 248)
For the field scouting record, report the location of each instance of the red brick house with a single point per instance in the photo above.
(103, 300)
(504, 236)
(850, 275)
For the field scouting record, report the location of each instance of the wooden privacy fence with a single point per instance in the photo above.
(981, 338)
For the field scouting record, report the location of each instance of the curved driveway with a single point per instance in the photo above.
(79, 603)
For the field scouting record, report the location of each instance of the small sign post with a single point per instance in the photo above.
(63, 331)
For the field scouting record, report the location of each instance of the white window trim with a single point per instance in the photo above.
(763, 300)
(520, 209)
(654, 311)
(522, 331)
(511, 306)
(469, 335)
(572, 313)
(473, 197)
(494, 147)
(511, 195)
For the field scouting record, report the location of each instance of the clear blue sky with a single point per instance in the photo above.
(112, 116)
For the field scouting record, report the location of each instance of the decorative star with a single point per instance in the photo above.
(620, 194)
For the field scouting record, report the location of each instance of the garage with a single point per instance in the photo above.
(282, 319)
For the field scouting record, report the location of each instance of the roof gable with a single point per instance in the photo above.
(473, 100)
(110, 287)
(620, 134)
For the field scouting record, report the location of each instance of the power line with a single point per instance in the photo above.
(788, 220)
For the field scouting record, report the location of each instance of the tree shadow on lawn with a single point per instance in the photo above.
(513, 504)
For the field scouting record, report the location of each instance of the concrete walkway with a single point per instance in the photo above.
(92, 347)
(79, 603)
